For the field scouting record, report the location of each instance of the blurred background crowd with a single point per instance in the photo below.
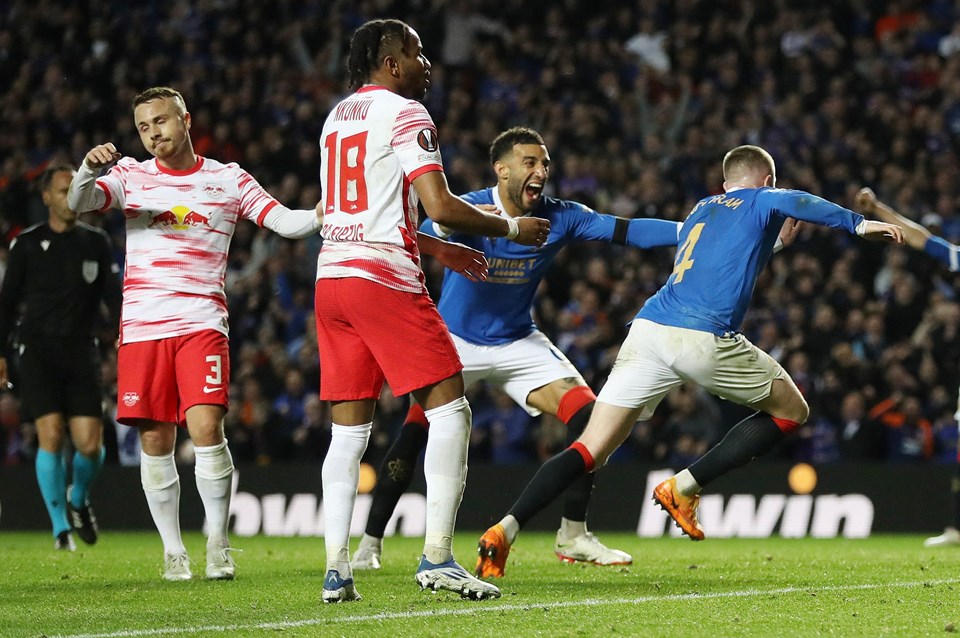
(637, 100)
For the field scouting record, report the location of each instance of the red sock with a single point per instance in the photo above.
(416, 415)
(785, 425)
(573, 400)
(582, 450)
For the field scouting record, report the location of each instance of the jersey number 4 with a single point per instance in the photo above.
(346, 185)
(685, 253)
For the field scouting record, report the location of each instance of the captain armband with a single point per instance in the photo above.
(620, 227)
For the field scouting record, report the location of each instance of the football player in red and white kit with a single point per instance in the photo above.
(375, 321)
(173, 363)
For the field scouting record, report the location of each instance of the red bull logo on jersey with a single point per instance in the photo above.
(180, 218)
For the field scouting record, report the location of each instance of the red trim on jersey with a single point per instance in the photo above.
(573, 400)
(416, 416)
(582, 450)
(171, 171)
(409, 233)
(371, 87)
(785, 425)
(266, 210)
(424, 169)
(106, 191)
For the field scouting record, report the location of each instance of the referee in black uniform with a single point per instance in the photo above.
(58, 274)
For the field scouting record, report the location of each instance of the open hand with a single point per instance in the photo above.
(462, 259)
(881, 231)
(788, 233)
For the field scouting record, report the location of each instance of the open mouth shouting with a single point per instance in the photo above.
(531, 194)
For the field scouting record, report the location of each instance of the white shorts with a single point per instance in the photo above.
(655, 358)
(518, 368)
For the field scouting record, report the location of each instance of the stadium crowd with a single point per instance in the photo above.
(637, 102)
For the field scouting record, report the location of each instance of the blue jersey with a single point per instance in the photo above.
(499, 310)
(724, 244)
(944, 251)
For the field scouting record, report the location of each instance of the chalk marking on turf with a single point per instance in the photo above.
(479, 608)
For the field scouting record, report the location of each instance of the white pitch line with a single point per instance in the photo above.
(480, 608)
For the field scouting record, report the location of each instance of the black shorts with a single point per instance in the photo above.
(59, 375)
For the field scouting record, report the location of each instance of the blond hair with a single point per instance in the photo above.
(747, 160)
(160, 92)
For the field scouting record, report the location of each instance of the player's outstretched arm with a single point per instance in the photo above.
(84, 195)
(811, 208)
(450, 211)
(914, 235)
(293, 223)
(459, 258)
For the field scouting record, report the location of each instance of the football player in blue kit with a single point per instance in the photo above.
(916, 236)
(492, 327)
(689, 331)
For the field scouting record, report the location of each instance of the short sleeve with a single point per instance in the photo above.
(414, 139)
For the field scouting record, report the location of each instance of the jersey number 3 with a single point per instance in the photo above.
(346, 185)
(685, 253)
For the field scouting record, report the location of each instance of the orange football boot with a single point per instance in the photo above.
(492, 552)
(682, 509)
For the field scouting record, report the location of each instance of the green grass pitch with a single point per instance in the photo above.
(882, 586)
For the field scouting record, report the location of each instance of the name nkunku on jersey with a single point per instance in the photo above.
(499, 310)
(724, 244)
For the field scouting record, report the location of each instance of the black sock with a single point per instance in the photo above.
(955, 488)
(577, 497)
(550, 481)
(745, 441)
(396, 474)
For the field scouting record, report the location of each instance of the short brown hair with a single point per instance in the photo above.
(510, 138)
(47, 177)
(158, 92)
(747, 159)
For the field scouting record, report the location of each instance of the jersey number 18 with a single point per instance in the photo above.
(346, 185)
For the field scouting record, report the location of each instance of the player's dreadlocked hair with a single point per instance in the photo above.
(371, 43)
(505, 142)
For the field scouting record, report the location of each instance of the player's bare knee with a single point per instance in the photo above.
(89, 447)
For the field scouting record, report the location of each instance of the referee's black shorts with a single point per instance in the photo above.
(59, 375)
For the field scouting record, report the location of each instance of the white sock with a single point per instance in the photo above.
(161, 486)
(340, 476)
(686, 484)
(511, 528)
(570, 530)
(214, 472)
(445, 468)
(371, 542)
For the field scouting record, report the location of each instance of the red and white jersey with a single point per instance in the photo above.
(179, 227)
(374, 144)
